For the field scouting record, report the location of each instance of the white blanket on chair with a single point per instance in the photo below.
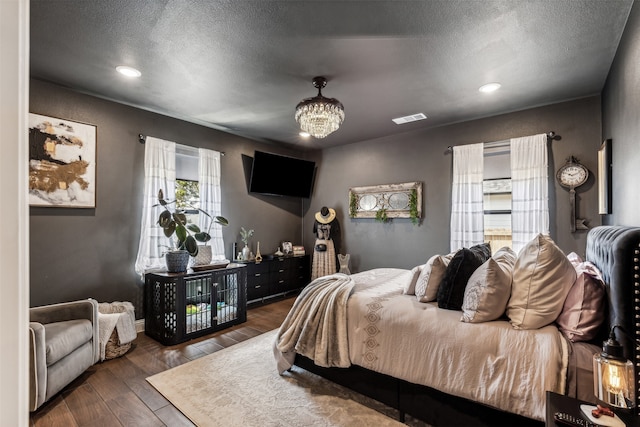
(118, 315)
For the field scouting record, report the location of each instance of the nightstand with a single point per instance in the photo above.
(559, 403)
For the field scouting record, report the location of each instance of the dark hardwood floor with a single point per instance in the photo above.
(115, 392)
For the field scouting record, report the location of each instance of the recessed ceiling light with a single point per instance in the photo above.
(304, 134)
(408, 119)
(490, 87)
(128, 71)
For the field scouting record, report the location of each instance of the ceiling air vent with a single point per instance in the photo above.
(408, 119)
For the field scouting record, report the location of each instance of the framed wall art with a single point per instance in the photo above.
(62, 163)
(387, 201)
(604, 178)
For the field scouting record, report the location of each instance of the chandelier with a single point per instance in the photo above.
(319, 116)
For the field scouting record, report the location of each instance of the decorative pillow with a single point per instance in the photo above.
(410, 286)
(542, 277)
(434, 277)
(574, 259)
(585, 308)
(489, 288)
(462, 265)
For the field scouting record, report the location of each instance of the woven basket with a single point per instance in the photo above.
(113, 349)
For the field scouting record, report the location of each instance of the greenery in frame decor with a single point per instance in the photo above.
(413, 207)
(381, 215)
(353, 205)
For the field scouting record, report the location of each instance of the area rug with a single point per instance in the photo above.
(240, 386)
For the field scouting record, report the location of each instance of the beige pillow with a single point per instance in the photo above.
(423, 277)
(431, 276)
(489, 288)
(410, 286)
(542, 277)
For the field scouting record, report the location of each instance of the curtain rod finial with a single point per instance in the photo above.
(141, 138)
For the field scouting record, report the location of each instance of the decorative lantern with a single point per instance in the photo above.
(613, 381)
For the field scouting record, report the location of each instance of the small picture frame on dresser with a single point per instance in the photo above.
(287, 248)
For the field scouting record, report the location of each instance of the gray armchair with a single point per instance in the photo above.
(63, 343)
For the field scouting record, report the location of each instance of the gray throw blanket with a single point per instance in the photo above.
(316, 326)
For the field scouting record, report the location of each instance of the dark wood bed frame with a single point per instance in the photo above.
(614, 250)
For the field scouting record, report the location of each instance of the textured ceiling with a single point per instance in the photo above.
(242, 66)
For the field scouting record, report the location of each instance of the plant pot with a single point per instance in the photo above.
(246, 253)
(204, 255)
(177, 261)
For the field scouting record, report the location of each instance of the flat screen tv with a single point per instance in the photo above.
(278, 175)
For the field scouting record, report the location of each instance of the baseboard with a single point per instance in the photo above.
(140, 325)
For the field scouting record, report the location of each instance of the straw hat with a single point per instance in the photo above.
(326, 215)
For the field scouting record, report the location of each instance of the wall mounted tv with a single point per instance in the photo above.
(278, 175)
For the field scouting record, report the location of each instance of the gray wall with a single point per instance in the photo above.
(621, 123)
(77, 253)
(81, 253)
(419, 156)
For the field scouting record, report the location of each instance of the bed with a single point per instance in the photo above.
(424, 361)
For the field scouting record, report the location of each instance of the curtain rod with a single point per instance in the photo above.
(493, 144)
(143, 138)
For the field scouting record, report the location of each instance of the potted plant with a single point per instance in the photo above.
(244, 235)
(187, 235)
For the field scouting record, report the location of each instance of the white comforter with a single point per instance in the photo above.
(491, 363)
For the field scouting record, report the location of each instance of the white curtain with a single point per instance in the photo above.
(467, 214)
(529, 180)
(210, 196)
(159, 173)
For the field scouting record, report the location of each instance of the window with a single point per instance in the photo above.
(199, 171)
(188, 199)
(187, 184)
(497, 212)
(497, 198)
(198, 187)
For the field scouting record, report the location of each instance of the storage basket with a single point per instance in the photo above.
(113, 348)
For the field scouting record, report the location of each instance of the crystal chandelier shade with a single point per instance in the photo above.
(319, 116)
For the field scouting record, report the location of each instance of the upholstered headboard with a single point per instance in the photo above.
(615, 250)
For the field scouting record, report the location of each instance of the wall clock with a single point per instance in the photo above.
(571, 175)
